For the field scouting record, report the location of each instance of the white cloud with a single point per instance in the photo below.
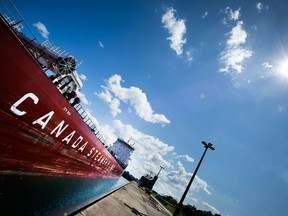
(132, 96)
(237, 36)
(233, 58)
(177, 30)
(260, 6)
(149, 150)
(42, 29)
(212, 208)
(189, 56)
(193, 199)
(233, 15)
(112, 102)
(234, 54)
(83, 98)
(266, 65)
(83, 77)
(179, 179)
(101, 44)
(186, 157)
(145, 142)
(205, 14)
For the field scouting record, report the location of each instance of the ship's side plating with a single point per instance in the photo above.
(40, 132)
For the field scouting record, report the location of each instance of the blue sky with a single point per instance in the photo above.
(169, 74)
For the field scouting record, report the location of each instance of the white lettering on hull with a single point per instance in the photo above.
(77, 142)
(14, 109)
(59, 127)
(69, 137)
(40, 121)
(43, 121)
(91, 151)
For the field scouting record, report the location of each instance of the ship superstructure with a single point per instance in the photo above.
(122, 151)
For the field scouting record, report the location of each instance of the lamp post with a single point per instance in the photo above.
(179, 205)
(160, 170)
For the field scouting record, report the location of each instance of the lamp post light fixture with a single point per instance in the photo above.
(179, 205)
(160, 170)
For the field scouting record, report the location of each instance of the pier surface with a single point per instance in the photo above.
(128, 200)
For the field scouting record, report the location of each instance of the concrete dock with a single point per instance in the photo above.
(128, 200)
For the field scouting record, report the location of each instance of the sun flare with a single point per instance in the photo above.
(284, 68)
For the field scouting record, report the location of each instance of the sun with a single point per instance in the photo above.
(283, 69)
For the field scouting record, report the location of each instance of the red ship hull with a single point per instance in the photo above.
(40, 132)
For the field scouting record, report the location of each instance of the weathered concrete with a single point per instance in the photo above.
(128, 200)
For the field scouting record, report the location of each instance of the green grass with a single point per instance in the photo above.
(168, 207)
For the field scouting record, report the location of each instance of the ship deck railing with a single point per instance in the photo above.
(88, 121)
(19, 26)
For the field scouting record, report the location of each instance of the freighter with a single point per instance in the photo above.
(43, 127)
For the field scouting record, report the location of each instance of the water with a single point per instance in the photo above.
(44, 195)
